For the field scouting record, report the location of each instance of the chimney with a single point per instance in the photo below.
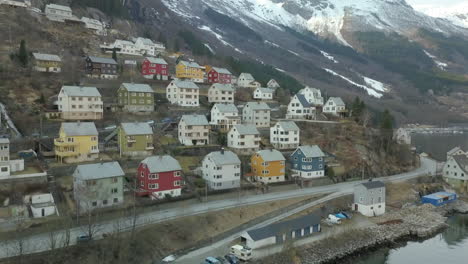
(222, 151)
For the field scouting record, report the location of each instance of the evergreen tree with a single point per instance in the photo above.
(114, 55)
(386, 129)
(176, 45)
(23, 54)
(162, 39)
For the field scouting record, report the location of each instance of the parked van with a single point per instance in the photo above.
(241, 252)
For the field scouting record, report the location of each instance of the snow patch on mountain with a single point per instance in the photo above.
(209, 48)
(457, 14)
(220, 38)
(440, 65)
(372, 91)
(376, 85)
(328, 56)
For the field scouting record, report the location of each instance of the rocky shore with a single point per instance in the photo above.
(411, 223)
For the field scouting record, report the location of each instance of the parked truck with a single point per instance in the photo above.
(242, 252)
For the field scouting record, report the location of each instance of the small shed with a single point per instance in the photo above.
(439, 198)
(281, 232)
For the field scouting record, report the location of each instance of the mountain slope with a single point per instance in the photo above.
(327, 18)
(457, 14)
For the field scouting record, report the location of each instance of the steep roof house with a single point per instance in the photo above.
(222, 170)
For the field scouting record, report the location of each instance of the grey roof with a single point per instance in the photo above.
(266, 90)
(195, 120)
(80, 91)
(138, 87)
(453, 151)
(373, 184)
(285, 227)
(311, 151)
(221, 70)
(144, 41)
(271, 155)
(303, 101)
(223, 87)
(185, 84)
(4, 141)
(46, 57)
(226, 108)
(98, 171)
(59, 7)
(137, 128)
(156, 60)
(257, 106)
(79, 129)
(162, 164)
(191, 64)
(247, 76)
(224, 157)
(462, 161)
(247, 129)
(288, 125)
(337, 101)
(102, 60)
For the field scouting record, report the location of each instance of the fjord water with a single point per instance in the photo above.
(450, 246)
(438, 144)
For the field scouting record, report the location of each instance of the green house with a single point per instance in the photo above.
(135, 139)
(134, 97)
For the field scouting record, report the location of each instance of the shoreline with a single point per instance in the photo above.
(418, 223)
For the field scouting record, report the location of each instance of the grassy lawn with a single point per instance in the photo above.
(186, 162)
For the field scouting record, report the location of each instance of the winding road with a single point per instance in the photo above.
(45, 241)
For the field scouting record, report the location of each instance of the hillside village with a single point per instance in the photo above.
(127, 124)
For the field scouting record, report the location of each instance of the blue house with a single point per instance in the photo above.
(308, 162)
(439, 198)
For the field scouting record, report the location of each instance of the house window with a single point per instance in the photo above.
(94, 204)
(153, 186)
(116, 200)
(176, 183)
(142, 174)
(114, 190)
(154, 176)
(177, 173)
(114, 180)
(104, 202)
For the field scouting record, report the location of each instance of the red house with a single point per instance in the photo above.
(158, 176)
(219, 75)
(155, 67)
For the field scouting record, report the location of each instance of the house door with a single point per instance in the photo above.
(279, 239)
(43, 212)
(355, 207)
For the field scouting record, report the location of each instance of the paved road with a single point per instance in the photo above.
(42, 242)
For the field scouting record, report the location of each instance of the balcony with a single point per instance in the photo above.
(150, 147)
(60, 142)
(66, 153)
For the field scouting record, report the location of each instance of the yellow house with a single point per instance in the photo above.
(268, 166)
(47, 62)
(190, 70)
(77, 142)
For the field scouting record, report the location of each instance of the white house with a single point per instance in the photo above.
(256, 113)
(221, 93)
(246, 80)
(98, 185)
(7, 165)
(42, 205)
(80, 103)
(59, 13)
(224, 116)
(16, 3)
(194, 130)
(96, 25)
(263, 93)
(222, 170)
(334, 106)
(146, 46)
(285, 135)
(312, 95)
(273, 84)
(300, 108)
(244, 139)
(369, 198)
(455, 151)
(183, 93)
(455, 171)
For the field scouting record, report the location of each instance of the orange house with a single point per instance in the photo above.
(268, 166)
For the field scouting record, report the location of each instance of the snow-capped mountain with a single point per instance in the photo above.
(327, 18)
(457, 14)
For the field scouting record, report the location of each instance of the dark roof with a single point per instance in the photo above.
(285, 227)
(102, 60)
(303, 100)
(462, 161)
(373, 184)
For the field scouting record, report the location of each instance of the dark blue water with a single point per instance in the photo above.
(438, 144)
(449, 247)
